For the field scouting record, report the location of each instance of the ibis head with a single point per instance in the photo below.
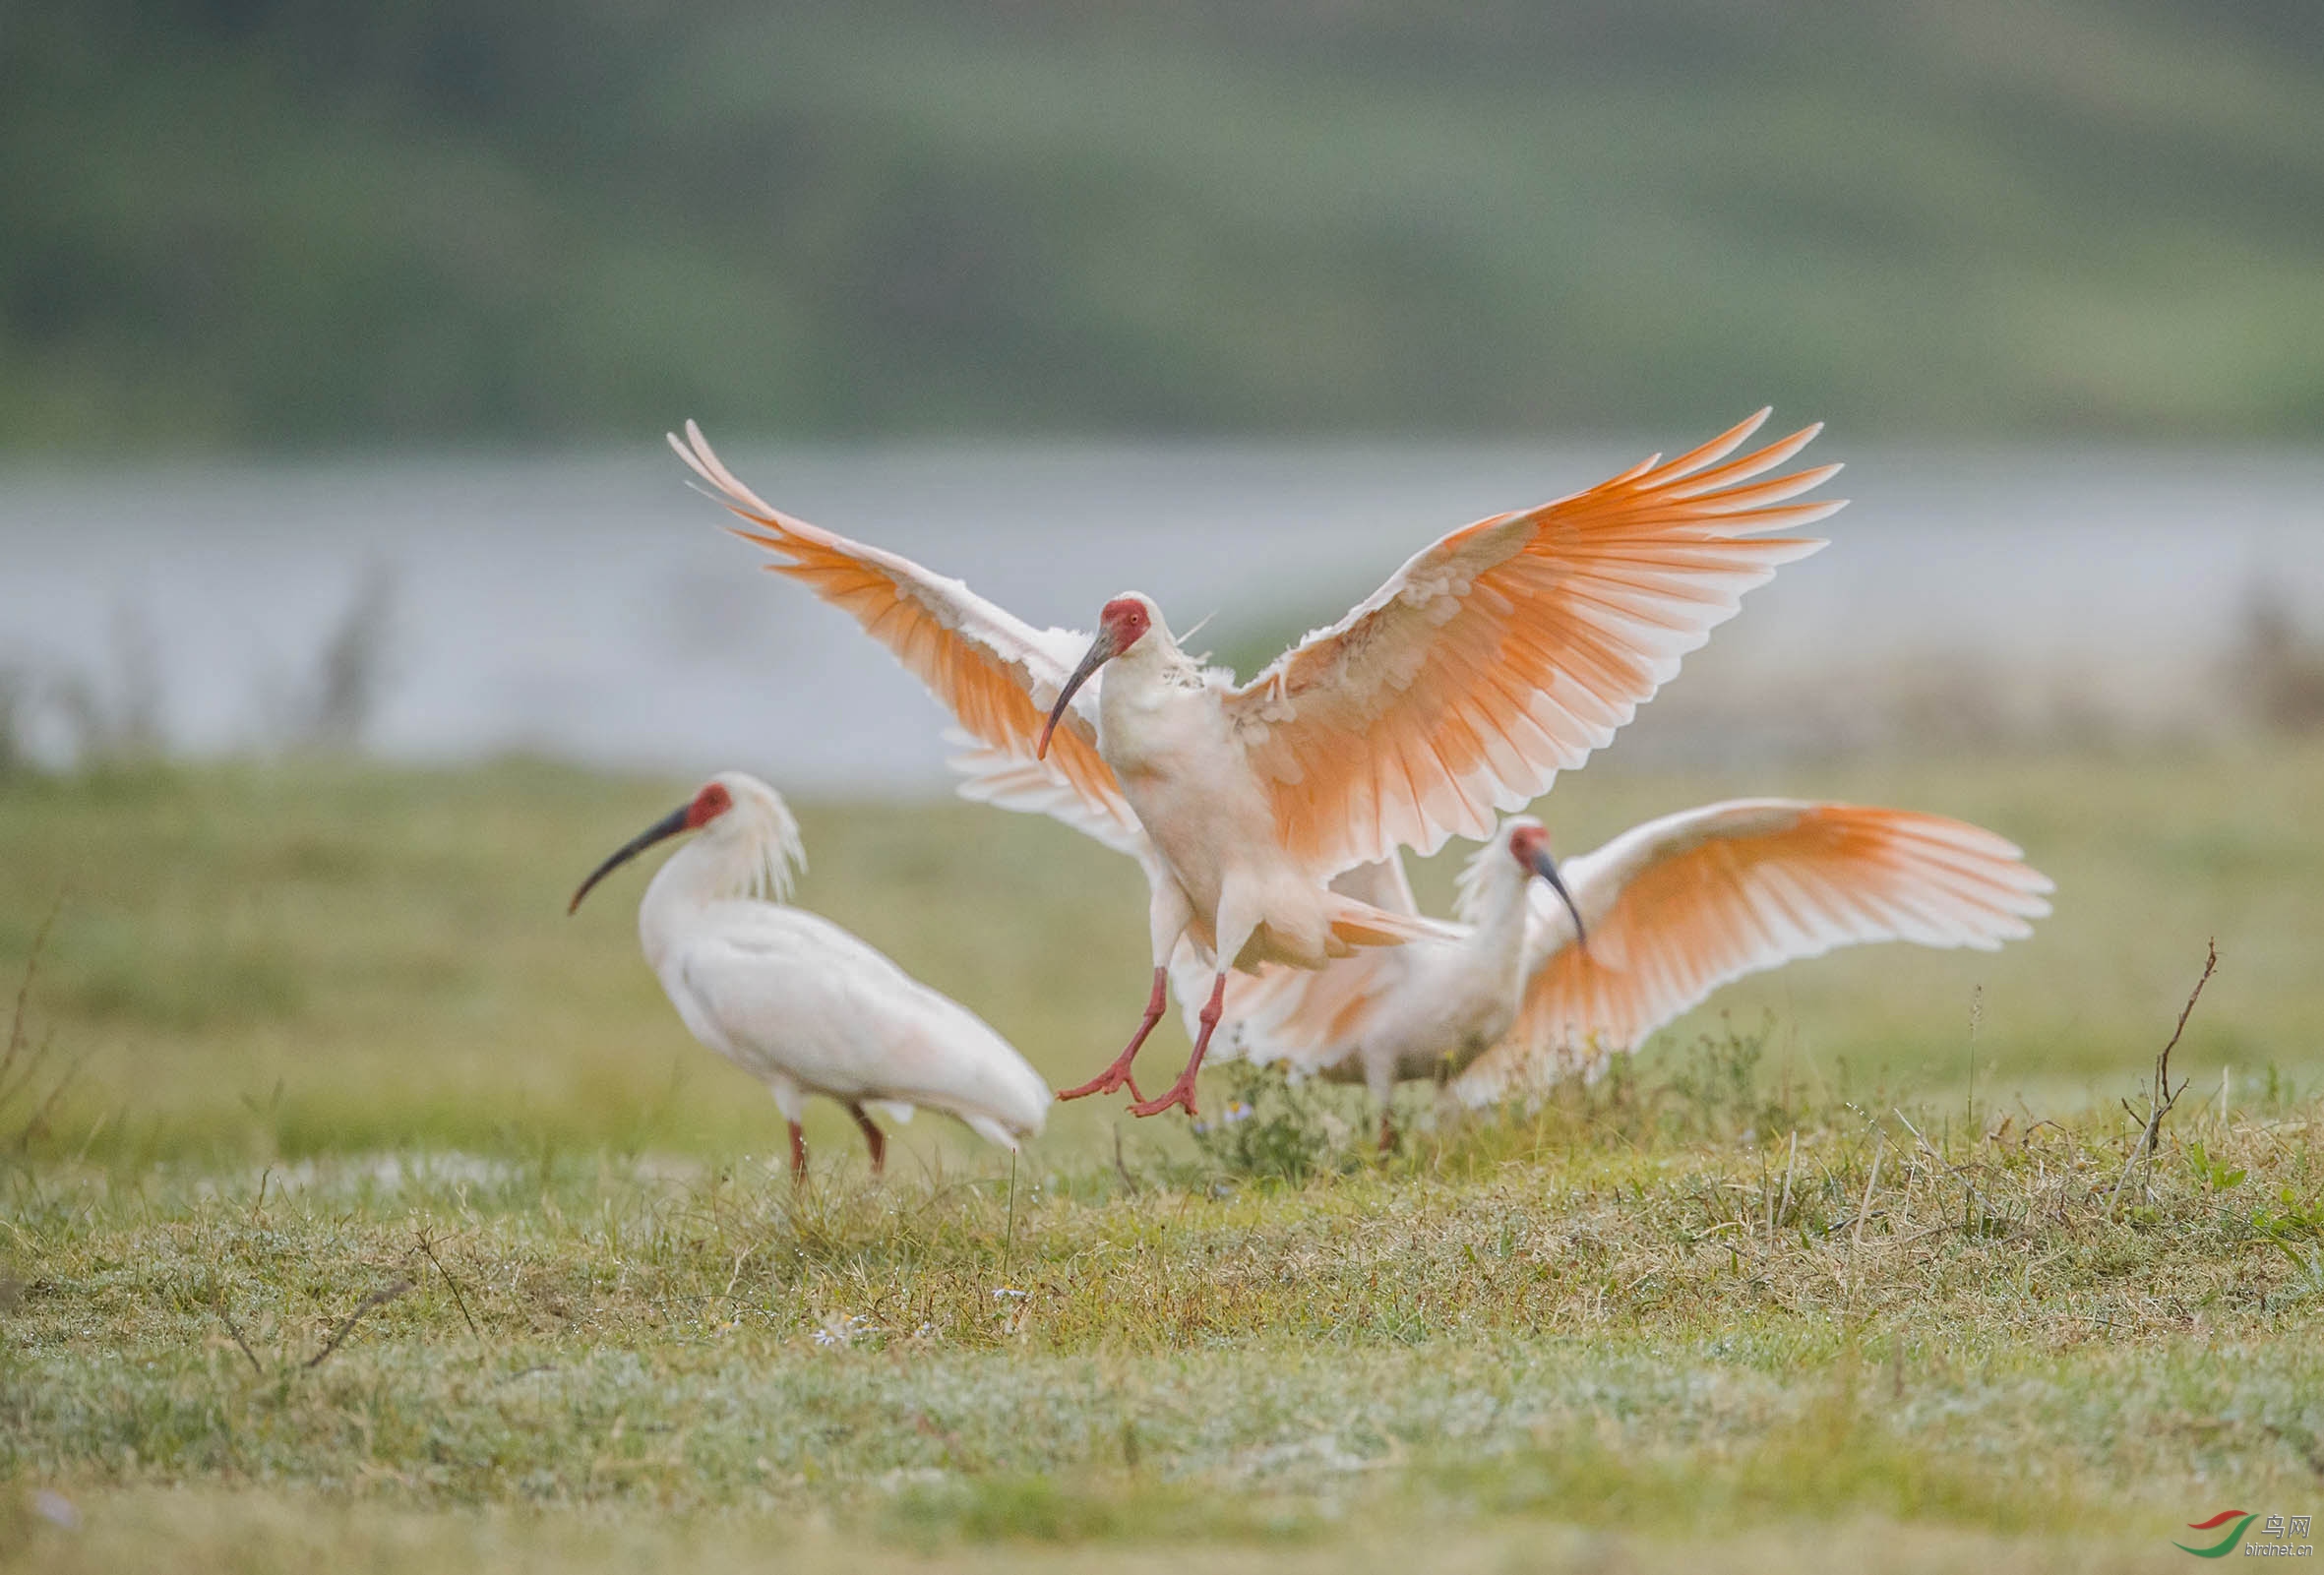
(1529, 845)
(712, 800)
(1122, 623)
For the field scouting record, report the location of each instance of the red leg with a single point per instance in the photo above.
(1182, 1092)
(798, 1155)
(1118, 1074)
(872, 1136)
(1388, 1132)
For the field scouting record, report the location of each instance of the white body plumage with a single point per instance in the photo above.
(799, 1002)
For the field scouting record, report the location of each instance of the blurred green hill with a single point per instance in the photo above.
(246, 224)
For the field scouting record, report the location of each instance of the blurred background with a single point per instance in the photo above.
(335, 345)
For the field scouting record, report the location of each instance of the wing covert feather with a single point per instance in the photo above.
(1682, 905)
(997, 673)
(1511, 648)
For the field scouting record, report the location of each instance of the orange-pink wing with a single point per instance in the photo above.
(997, 673)
(1682, 905)
(1511, 648)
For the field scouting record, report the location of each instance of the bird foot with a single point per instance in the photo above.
(1105, 1083)
(1181, 1092)
(1118, 1074)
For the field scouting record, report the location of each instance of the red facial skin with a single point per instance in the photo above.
(704, 807)
(1525, 842)
(709, 803)
(1127, 621)
(1120, 624)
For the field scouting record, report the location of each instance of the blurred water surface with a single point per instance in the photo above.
(589, 607)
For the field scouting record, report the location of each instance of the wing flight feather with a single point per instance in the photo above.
(1512, 648)
(997, 673)
(1682, 905)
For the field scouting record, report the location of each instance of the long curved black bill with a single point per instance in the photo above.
(1547, 868)
(1101, 652)
(669, 825)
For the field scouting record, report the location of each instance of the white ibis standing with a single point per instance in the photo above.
(797, 1002)
(1674, 909)
(1493, 659)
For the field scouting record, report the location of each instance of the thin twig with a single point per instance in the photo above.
(26, 1074)
(1879, 1141)
(2163, 1061)
(1128, 1182)
(2129, 1164)
(37, 1123)
(379, 1298)
(1008, 1239)
(1766, 1196)
(2165, 1096)
(1915, 1131)
(23, 991)
(1977, 1012)
(237, 1332)
(734, 1279)
(1784, 1208)
(461, 1301)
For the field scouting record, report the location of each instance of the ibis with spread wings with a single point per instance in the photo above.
(1536, 987)
(1501, 654)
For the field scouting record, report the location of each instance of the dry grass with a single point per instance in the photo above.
(1604, 1314)
(388, 1232)
(255, 963)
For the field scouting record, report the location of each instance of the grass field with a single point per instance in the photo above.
(255, 963)
(1795, 1288)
